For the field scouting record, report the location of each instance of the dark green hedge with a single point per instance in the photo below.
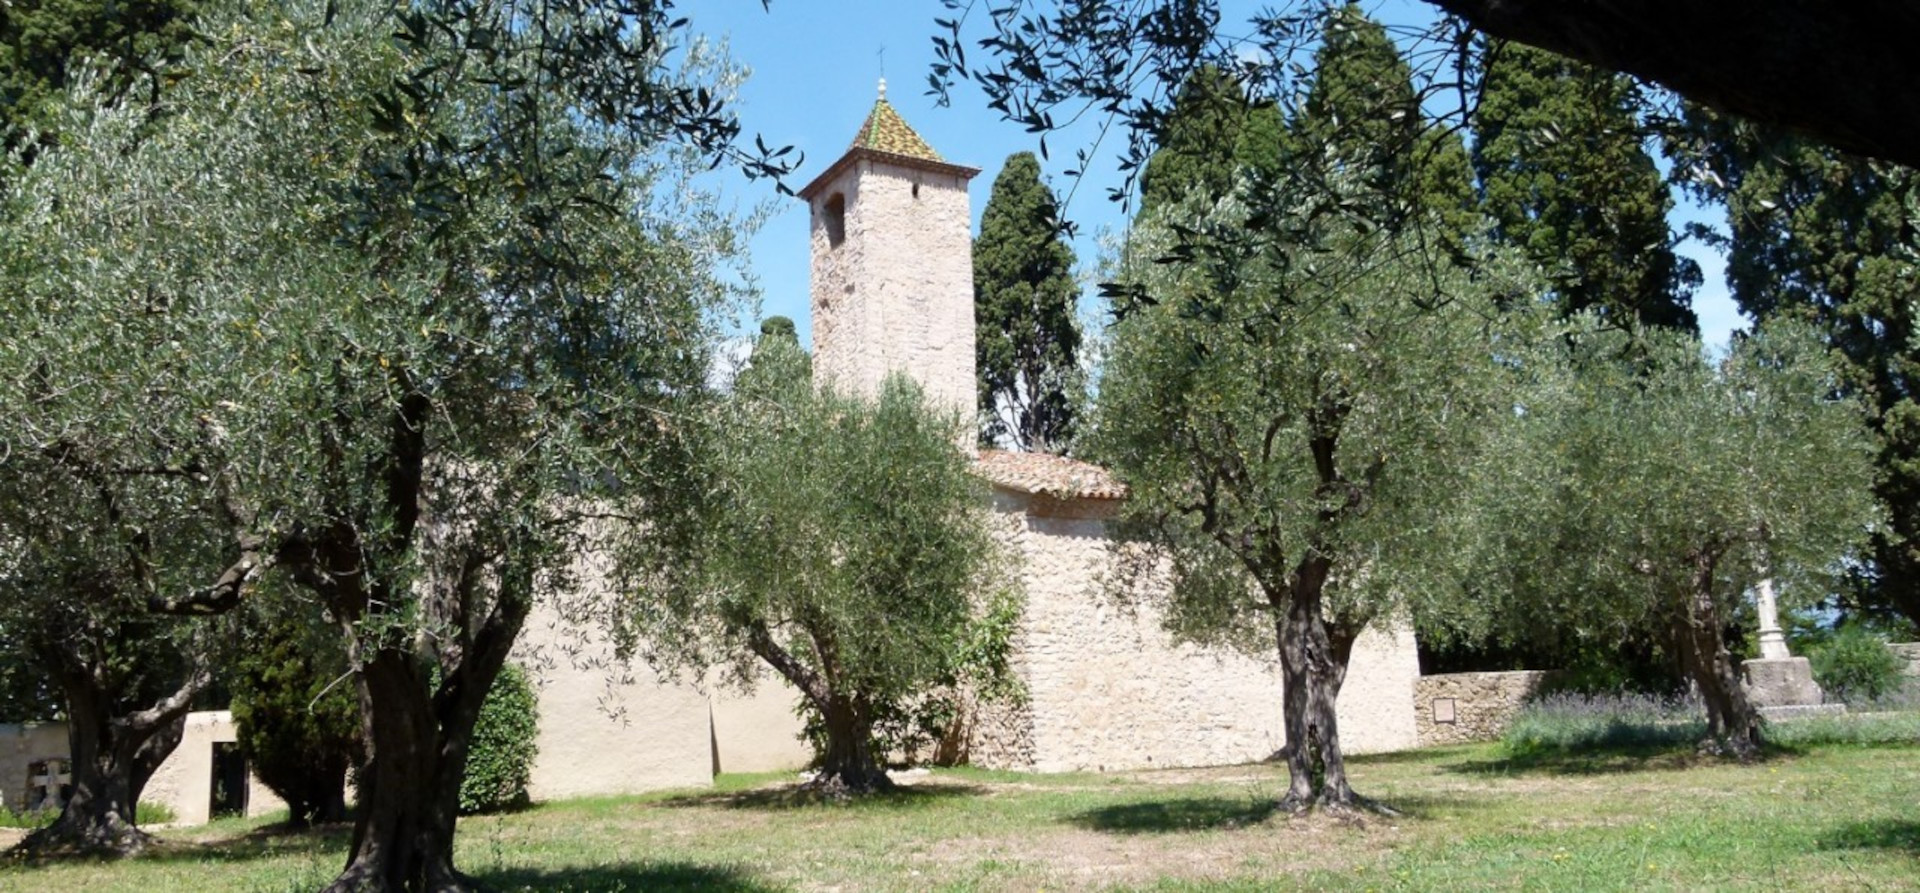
(500, 757)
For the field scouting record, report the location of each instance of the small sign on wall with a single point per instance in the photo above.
(1443, 710)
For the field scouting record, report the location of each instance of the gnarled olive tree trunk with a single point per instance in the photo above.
(1313, 666)
(417, 739)
(848, 764)
(112, 754)
(410, 790)
(1700, 638)
(417, 731)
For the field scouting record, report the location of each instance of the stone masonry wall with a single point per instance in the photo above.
(1479, 704)
(1108, 688)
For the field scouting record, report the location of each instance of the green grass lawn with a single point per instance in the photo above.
(1822, 818)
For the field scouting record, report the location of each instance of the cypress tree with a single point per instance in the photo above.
(294, 711)
(1362, 114)
(1201, 145)
(779, 327)
(1023, 299)
(1566, 176)
(1260, 147)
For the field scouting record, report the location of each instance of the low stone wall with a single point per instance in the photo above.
(1455, 708)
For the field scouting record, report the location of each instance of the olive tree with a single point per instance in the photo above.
(1295, 419)
(97, 511)
(425, 285)
(83, 545)
(1761, 471)
(845, 543)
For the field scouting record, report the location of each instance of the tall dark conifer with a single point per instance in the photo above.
(1023, 299)
(1362, 116)
(1566, 176)
(1211, 132)
(1826, 237)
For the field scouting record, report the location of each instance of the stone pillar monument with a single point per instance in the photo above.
(1773, 644)
(1777, 682)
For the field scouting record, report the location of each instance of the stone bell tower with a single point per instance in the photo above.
(893, 266)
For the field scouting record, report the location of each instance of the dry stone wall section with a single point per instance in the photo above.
(1455, 708)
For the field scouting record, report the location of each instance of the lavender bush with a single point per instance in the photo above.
(1573, 722)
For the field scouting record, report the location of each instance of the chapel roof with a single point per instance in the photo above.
(1049, 475)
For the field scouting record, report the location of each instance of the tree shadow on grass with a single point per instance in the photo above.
(1176, 816)
(1395, 757)
(267, 842)
(1226, 813)
(796, 796)
(648, 876)
(1875, 834)
(1595, 761)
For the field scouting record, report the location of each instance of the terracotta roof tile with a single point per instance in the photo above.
(1048, 475)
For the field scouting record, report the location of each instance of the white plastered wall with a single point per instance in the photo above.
(758, 731)
(608, 726)
(184, 782)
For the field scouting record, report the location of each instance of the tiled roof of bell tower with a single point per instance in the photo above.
(886, 140)
(885, 131)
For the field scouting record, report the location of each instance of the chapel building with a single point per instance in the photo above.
(1107, 688)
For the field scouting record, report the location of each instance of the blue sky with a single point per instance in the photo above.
(815, 67)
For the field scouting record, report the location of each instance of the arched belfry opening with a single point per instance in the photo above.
(833, 216)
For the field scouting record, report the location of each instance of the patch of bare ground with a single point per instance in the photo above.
(11, 836)
(1078, 859)
(1246, 773)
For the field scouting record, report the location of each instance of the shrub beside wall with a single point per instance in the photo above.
(500, 758)
(1856, 666)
